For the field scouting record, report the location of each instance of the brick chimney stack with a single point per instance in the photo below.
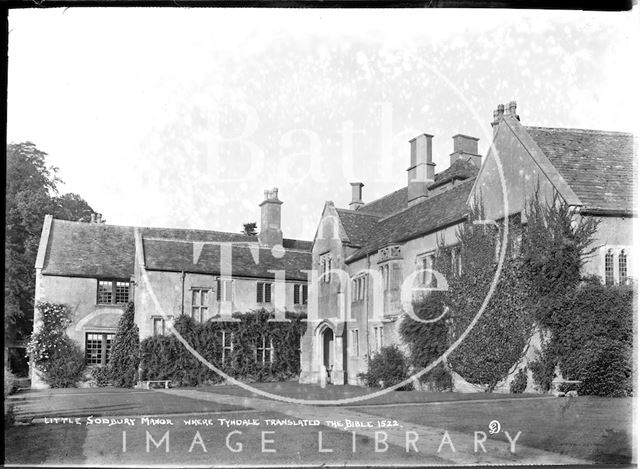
(465, 148)
(356, 195)
(422, 170)
(270, 219)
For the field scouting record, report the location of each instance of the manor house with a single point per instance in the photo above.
(396, 236)
(96, 269)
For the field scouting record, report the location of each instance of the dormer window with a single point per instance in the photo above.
(113, 292)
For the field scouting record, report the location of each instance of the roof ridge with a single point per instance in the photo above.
(358, 212)
(436, 196)
(573, 129)
(160, 228)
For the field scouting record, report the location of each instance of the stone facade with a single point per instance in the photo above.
(96, 268)
(377, 246)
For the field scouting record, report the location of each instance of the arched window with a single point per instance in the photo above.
(622, 267)
(608, 268)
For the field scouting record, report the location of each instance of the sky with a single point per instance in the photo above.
(183, 117)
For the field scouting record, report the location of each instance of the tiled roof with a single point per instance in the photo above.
(358, 225)
(390, 203)
(107, 251)
(597, 165)
(460, 169)
(397, 201)
(172, 255)
(89, 250)
(435, 212)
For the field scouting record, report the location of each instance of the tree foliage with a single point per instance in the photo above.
(250, 229)
(31, 193)
(125, 351)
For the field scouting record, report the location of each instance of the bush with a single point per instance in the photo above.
(55, 355)
(122, 369)
(65, 366)
(592, 338)
(101, 375)
(387, 368)
(543, 369)
(519, 382)
(164, 357)
(427, 341)
(9, 382)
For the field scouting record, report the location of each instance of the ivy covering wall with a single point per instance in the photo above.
(588, 327)
(254, 349)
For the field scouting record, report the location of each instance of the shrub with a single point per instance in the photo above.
(59, 358)
(65, 366)
(519, 382)
(543, 370)
(122, 369)
(101, 375)
(427, 341)
(387, 368)
(165, 357)
(9, 382)
(592, 338)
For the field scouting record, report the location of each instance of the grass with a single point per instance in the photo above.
(100, 445)
(597, 429)
(594, 428)
(106, 402)
(315, 392)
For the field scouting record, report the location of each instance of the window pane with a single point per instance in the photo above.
(267, 293)
(122, 292)
(304, 294)
(195, 297)
(259, 292)
(296, 294)
(608, 268)
(622, 267)
(105, 293)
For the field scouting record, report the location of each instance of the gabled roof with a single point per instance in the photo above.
(358, 225)
(434, 213)
(397, 201)
(78, 249)
(95, 250)
(388, 204)
(597, 165)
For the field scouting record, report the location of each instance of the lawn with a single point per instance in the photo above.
(102, 445)
(597, 429)
(594, 428)
(106, 401)
(331, 393)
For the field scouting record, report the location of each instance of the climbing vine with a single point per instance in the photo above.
(252, 349)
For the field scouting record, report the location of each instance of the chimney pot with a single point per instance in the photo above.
(356, 195)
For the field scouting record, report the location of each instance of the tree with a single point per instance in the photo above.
(31, 193)
(250, 229)
(125, 351)
(72, 207)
